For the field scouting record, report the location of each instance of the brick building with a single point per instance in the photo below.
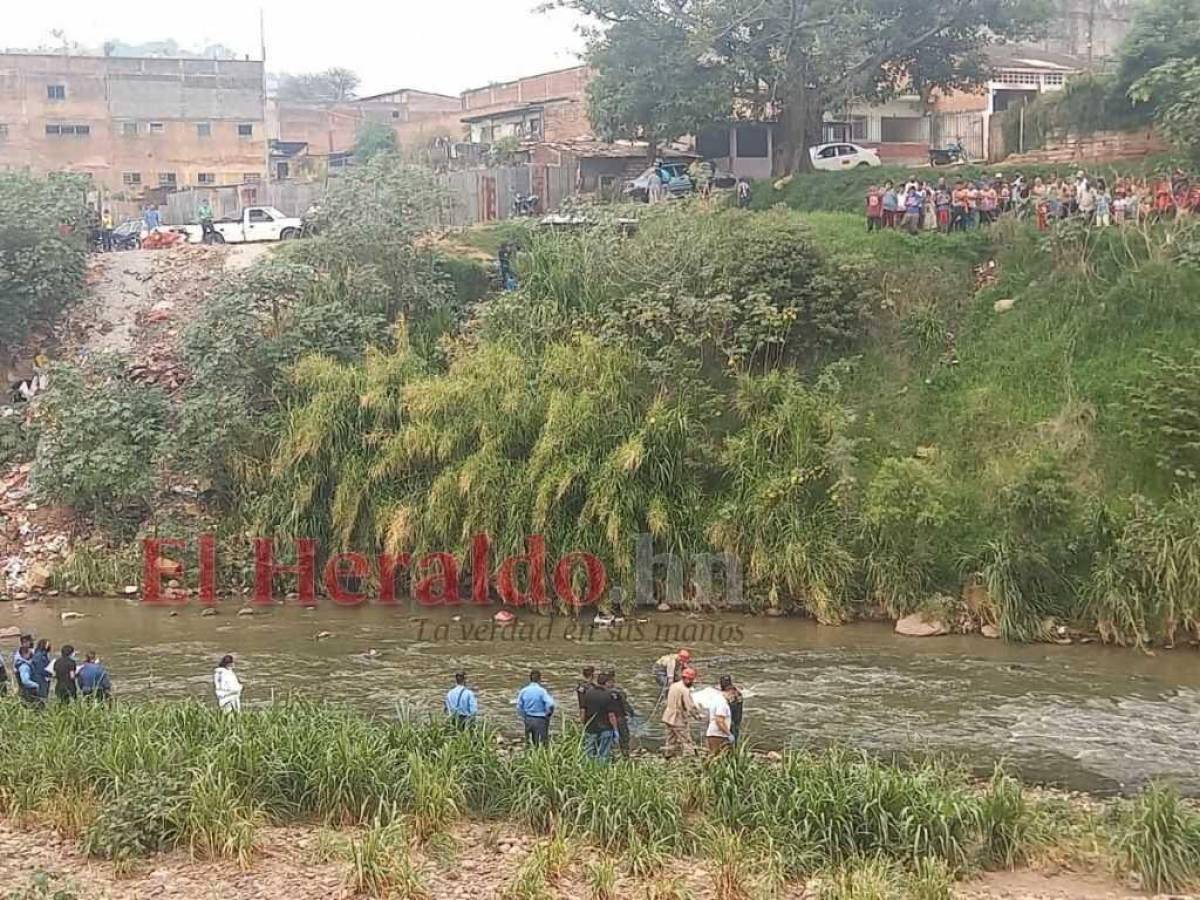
(551, 106)
(140, 127)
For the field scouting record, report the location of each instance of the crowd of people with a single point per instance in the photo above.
(33, 666)
(601, 702)
(606, 714)
(966, 204)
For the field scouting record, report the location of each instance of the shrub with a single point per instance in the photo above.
(1157, 838)
(144, 815)
(100, 438)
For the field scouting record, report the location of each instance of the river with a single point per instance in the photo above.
(1085, 717)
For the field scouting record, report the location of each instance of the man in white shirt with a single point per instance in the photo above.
(227, 686)
(719, 736)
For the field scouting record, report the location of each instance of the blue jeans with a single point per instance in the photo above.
(599, 746)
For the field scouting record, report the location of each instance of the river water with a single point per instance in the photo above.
(1084, 717)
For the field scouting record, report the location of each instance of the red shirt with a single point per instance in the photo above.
(874, 206)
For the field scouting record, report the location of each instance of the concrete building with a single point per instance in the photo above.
(551, 106)
(140, 127)
(904, 128)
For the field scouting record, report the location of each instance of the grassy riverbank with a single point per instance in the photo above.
(134, 780)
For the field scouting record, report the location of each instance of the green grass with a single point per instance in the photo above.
(134, 780)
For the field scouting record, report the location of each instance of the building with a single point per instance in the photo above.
(551, 106)
(746, 149)
(140, 127)
(904, 128)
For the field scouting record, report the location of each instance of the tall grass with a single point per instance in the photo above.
(1156, 837)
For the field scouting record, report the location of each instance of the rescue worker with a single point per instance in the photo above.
(227, 686)
(668, 667)
(93, 679)
(535, 706)
(681, 710)
(461, 705)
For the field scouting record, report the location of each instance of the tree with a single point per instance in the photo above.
(1174, 91)
(794, 59)
(1162, 30)
(372, 139)
(652, 85)
(330, 86)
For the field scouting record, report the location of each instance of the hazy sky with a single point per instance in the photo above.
(437, 45)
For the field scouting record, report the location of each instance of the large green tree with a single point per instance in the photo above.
(794, 59)
(653, 83)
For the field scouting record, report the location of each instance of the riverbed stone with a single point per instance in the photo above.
(208, 611)
(917, 625)
(990, 631)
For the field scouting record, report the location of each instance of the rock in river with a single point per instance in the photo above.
(917, 625)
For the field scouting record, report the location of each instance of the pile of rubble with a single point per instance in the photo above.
(33, 540)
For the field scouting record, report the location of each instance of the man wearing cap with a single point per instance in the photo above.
(461, 705)
(668, 667)
(681, 710)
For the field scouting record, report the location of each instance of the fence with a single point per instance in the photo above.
(472, 195)
(965, 128)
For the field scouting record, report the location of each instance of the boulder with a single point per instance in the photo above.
(246, 611)
(990, 631)
(208, 611)
(917, 625)
(1004, 305)
(664, 607)
(68, 615)
(38, 577)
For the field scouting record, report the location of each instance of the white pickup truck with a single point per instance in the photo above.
(256, 223)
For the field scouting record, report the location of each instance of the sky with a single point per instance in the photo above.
(436, 45)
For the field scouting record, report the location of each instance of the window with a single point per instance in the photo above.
(535, 128)
(827, 152)
(1029, 78)
(251, 177)
(846, 150)
(1052, 78)
(282, 170)
(395, 113)
(166, 179)
(858, 128)
(259, 216)
(68, 130)
(206, 178)
(752, 142)
(245, 131)
(3, 131)
(156, 127)
(132, 179)
(56, 92)
(203, 129)
(903, 129)
(713, 143)
(129, 129)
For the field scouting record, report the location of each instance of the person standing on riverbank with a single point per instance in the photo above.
(27, 686)
(41, 667)
(734, 698)
(64, 675)
(461, 705)
(93, 679)
(535, 707)
(227, 686)
(25, 641)
(600, 708)
(624, 714)
(681, 710)
(581, 689)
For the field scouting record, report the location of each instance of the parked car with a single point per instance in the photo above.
(128, 235)
(256, 223)
(677, 184)
(835, 157)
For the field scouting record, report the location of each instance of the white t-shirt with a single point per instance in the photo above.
(714, 703)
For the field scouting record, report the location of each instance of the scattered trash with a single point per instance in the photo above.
(68, 615)
(504, 617)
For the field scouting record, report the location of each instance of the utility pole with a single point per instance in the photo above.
(262, 45)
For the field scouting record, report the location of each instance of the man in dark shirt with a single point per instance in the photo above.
(64, 675)
(581, 689)
(624, 714)
(601, 706)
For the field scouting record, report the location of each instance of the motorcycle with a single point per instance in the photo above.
(526, 205)
(948, 156)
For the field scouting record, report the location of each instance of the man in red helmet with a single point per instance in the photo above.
(681, 710)
(668, 667)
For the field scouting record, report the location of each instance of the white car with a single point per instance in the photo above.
(256, 223)
(835, 157)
